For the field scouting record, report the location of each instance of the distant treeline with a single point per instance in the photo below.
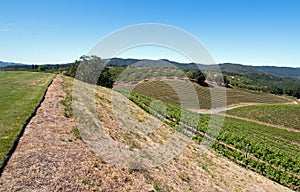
(262, 79)
(259, 81)
(38, 68)
(92, 69)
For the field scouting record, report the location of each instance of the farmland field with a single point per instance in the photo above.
(274, 152)
(21, 93)
(162, 91)
(282, 115)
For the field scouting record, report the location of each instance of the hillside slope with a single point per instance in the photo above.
(162, 90)
(280, 71)
(284, 115)
(51, 158)
(235, 68)
(5, 64)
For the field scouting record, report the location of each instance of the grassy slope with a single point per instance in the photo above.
(283, 115)
(20, 94)
(276, 146)
(162, 91)
(231, 125)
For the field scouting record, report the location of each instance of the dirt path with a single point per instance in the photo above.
(223, 109)
(50, 158)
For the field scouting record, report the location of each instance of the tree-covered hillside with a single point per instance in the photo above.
(236, 75)
(249, 78)
(276, 80)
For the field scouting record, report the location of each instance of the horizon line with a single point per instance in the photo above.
(153, 59)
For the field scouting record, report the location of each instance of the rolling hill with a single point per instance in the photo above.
(225, 67)
(6, 64)
(280, 71)
(254, 78)
(274, 152)
(163, 91)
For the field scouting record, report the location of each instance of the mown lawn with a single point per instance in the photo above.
(21, 93)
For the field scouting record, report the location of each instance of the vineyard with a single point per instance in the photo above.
(163, 91)
(282, 115)
(21, 93)
(272, 152)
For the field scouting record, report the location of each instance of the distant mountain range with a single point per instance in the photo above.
(5, 64)
(229, 68)
(224, 67)
(273, 70)
(279, 71)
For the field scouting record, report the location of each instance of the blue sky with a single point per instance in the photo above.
(248, 32)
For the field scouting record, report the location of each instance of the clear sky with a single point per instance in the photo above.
(256, 32)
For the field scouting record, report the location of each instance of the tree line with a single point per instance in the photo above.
(258, 81)
(92, 69)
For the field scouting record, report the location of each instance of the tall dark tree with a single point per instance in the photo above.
(197, 76)
(87, 69)
(105, 79)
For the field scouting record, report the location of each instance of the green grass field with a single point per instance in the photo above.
(162, 91)
(286, 115)
(21, 93)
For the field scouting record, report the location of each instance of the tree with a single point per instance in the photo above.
(71, 71)
(226, 81)
(105, 79)
(87, 69)
(41, 68)
(197, 76)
